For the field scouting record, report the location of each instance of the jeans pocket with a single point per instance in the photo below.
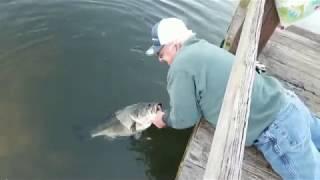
(288, 133)
(290, 141)
(278, 147)
(293, 130)
(285, 139)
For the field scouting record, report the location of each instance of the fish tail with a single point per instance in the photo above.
(105, 136)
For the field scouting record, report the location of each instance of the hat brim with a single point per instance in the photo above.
(153, 50)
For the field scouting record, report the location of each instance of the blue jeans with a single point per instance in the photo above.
(291, 143)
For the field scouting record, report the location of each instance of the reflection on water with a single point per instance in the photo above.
(71, 62)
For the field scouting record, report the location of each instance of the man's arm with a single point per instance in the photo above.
(184, 110)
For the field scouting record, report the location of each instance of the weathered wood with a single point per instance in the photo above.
(305, 34)
(196, 156)
(294, 59)
(290, 55)
(226, 154)
(231, 40)
(270, 22)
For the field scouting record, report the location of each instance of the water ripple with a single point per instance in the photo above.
(24, 47)
(64, 60)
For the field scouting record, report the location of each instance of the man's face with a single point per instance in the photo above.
(167, 53)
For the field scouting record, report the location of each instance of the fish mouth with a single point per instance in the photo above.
(158, 107)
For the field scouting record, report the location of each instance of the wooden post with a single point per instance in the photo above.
(270, 22)
(226, 154)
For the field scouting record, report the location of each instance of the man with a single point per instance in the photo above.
(280, 125)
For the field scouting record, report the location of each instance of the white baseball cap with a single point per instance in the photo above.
(165, 32)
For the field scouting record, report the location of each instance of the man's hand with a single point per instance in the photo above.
(158, 121)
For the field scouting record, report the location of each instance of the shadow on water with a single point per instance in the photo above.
(161, 150)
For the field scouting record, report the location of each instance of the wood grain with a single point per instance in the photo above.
(226, 154)
(270, 22)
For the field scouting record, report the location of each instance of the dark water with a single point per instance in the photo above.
(65, 63)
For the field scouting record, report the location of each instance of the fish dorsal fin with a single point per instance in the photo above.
(130, 115)
(141, 123)
(124, 119)
(135, 119)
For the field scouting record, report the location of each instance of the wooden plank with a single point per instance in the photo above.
(270, 22)
(307, 34)
(293, 58)
(226, 154)
(303, 40)
(196, 156)
(293, 72)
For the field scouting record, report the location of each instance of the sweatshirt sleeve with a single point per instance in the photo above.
(184, 109)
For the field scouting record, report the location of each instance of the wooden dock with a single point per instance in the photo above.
(292, 56)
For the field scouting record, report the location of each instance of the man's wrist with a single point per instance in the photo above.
(165, 118)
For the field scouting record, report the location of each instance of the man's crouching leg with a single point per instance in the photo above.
(287, 143)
